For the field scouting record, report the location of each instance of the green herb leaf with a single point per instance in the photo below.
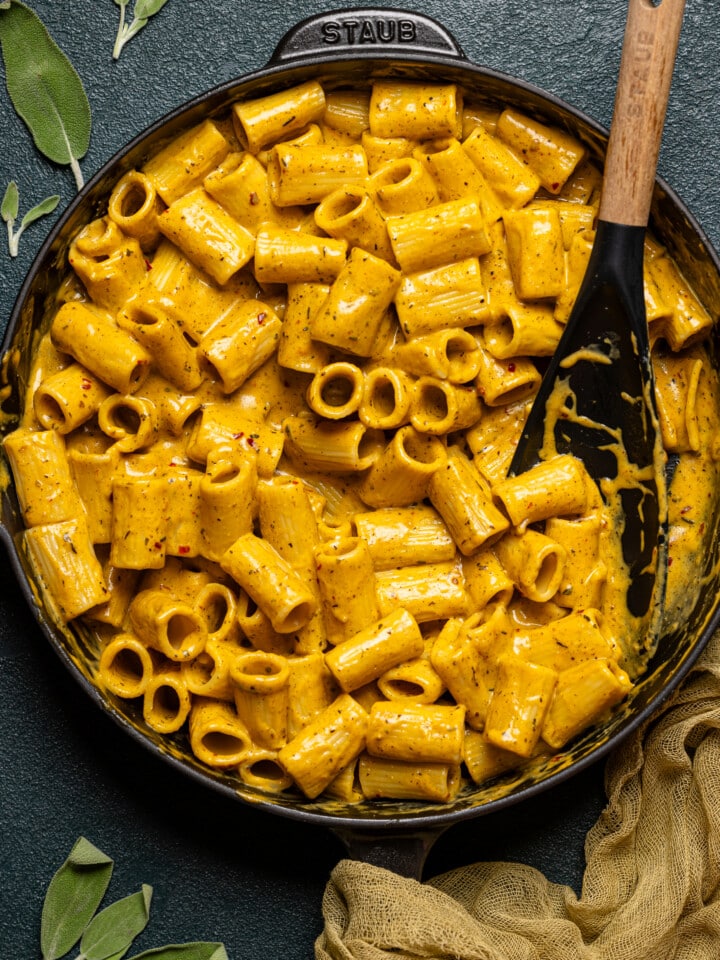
(144, 9)
(10, 203)
(111, 932)
(40, 210)
(185, 951)
(73, 896)
(44, 88)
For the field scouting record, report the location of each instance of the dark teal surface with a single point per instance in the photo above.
(222, 871)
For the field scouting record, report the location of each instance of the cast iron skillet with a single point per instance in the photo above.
(346, 48)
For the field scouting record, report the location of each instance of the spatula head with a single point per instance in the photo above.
(596, 402)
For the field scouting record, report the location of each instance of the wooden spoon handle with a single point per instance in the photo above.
(651, 38)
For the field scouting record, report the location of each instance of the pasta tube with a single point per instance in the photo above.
(296, 348)
(270, 580)
(261, 696)
(351, 214)
(452, 354)
(134, 206)
(336, 390)
(377, 648)
(208, 674)
(97, 343)
(418, 111)
(553, 154)
(240, 342)
(400, 475)
(398, 780)
(514, 183)
(439, 407)
(311, 688)
(278, 116)
(167, 624)
(444, 233)
(128, 420)
(416, 732)
(227, 499)
(345, 578)
(139, 523)
(185, 162)
(64, 564)
(207, 235)
(307, 174)
(398, 536)
(452, 295)
(283, 255)
(520, 702)
(429, 591)
(386, 398)
(287, 523)
(69, 398)
(553, 488)
(464, 501)
(125, 666)
(110, 264)
(351, 316)
(261, 770)
(149, 319)
(166, 701)
(329, 742)
(402, 185)
(43, 481)
(415, 680)
(534, 561)
(331, 447)
(535, 252)
(583, 696)
(217, 735)
(457, 176)
(459, 663)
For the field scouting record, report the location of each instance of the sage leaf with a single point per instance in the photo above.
(144, 9)
(72, 898)
(10, 203)
(44, 88)
(111, 932)
(39, 210)
(185, 951)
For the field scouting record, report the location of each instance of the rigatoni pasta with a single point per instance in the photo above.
(264, 451)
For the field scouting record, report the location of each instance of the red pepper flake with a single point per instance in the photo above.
(157, 545)
(183, 550)
(556, 186)
(511, 368)
(251, 442)
(254, 199)
(670, 560)
(148, 265)
(261, 318)
(86, 384)
(238, 436)
(686, 509)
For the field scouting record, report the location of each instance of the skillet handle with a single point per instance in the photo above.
(403, 853)
(365, 32)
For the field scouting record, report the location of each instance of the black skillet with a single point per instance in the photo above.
(346, 48)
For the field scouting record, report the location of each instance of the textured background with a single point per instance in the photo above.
(221, 871)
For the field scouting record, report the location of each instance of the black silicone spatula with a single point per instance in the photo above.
(596, 398)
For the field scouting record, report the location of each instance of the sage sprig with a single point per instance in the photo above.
(9, 209)
(44, 87)
(70, 915)
(142, 11)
